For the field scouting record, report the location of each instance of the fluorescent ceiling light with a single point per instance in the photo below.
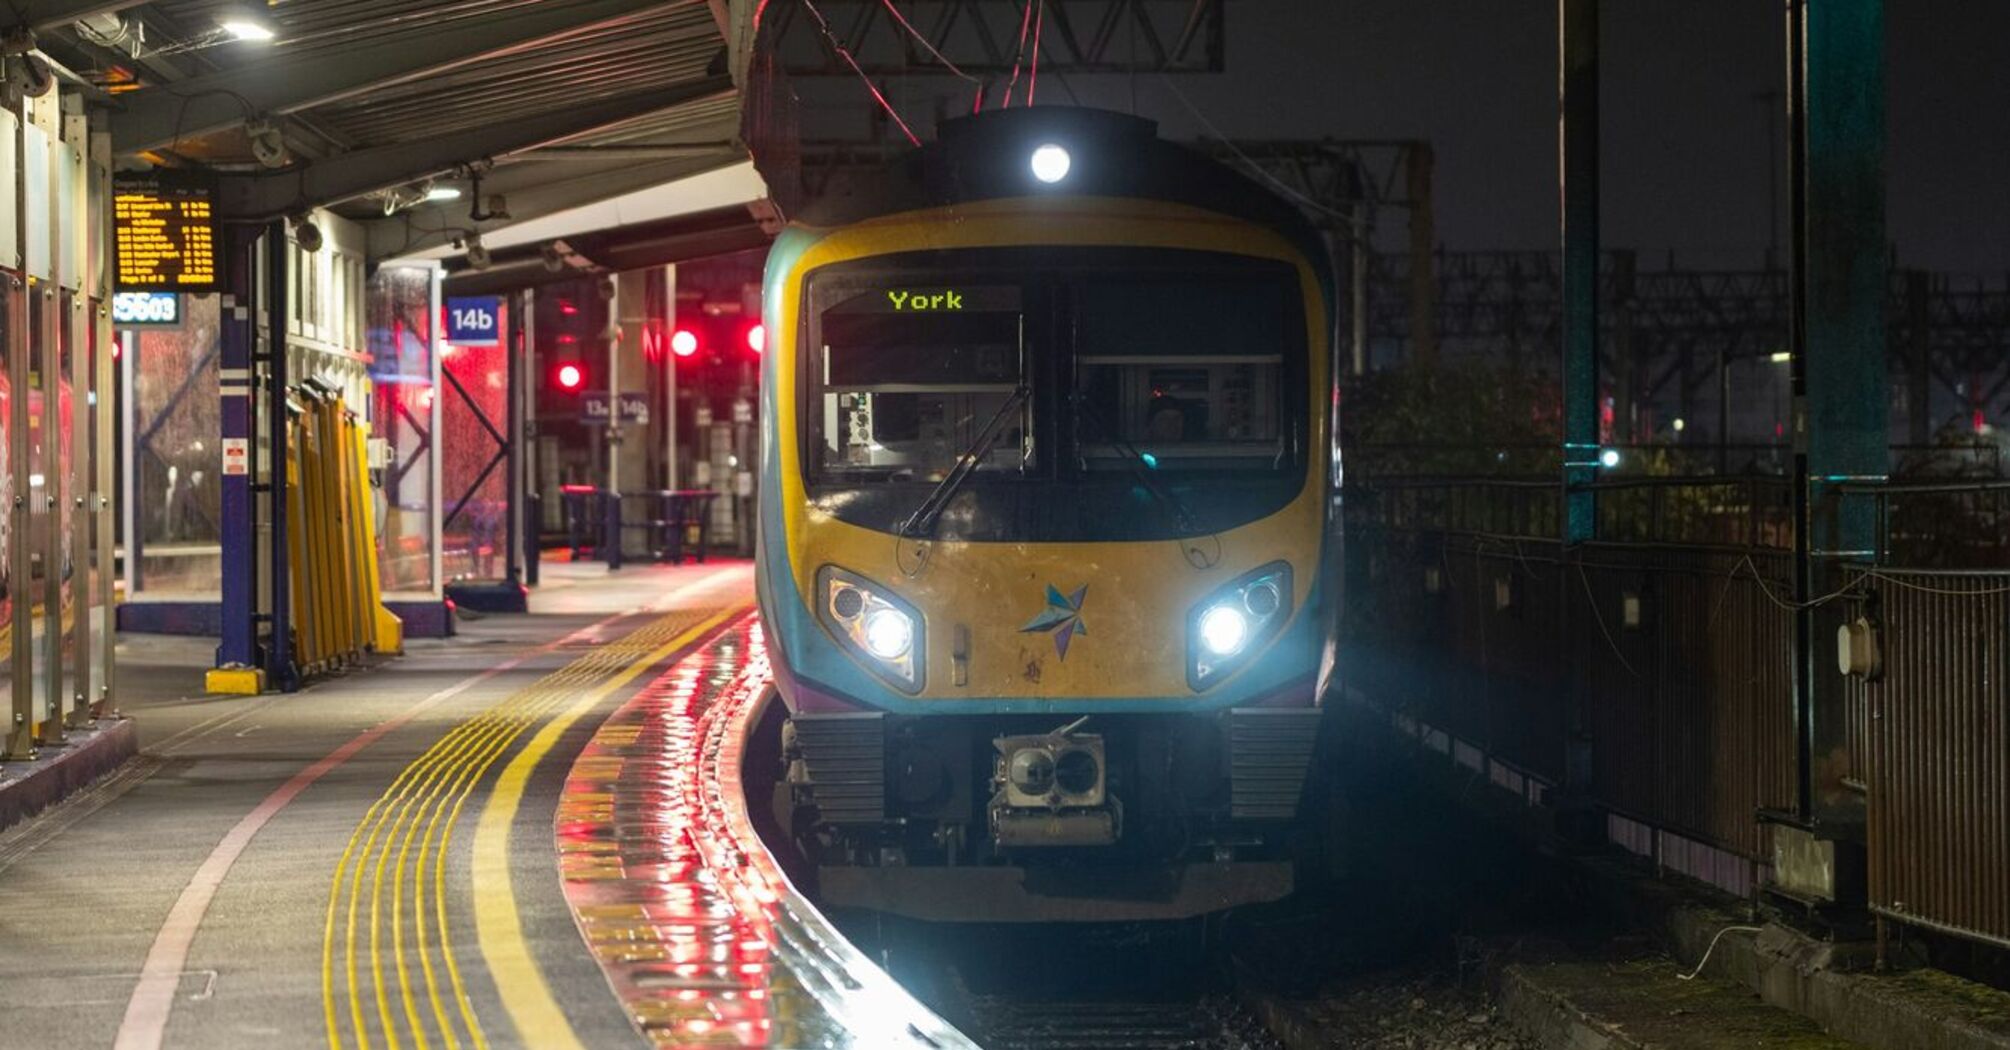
(444, 193)
(242, 25)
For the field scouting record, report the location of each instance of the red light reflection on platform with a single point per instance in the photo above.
(669, 883)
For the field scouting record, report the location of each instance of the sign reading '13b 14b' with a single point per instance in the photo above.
(165, 235)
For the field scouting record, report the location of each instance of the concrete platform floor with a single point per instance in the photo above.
(368, 862)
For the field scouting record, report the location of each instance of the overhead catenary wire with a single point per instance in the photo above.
(1019, 55)
(928, 45)
(1283, 187)
(1033, 76)
(843, 52)
(977, 104)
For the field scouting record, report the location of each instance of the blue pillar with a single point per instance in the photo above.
(1844, 275)
(1578, 134)
(1839, 281)
(239, 662)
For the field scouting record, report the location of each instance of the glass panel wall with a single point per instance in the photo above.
(474, 412)
(402, 317)
(174, 419)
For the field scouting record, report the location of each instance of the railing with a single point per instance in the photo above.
(1653, 668)
(1955, 524)
(1938, 739)
(1984, 459)
(1738, 511)
(673, 523)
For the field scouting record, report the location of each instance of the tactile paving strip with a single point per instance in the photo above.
(701, 936)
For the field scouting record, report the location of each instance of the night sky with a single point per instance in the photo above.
(1685, 119)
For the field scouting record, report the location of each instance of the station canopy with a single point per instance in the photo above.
(527, 121)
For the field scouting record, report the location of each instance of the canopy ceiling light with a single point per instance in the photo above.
(243, 24)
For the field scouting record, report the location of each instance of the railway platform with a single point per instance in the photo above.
(372, 861)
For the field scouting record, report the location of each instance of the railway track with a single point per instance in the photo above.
(1210, 1023)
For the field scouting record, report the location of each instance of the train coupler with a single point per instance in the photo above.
(1051, 789)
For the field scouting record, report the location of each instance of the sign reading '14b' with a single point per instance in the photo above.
(474, 320)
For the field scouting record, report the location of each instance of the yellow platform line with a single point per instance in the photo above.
(369, 828)
(615, 654)
(526, 995)
(442, 813)
(501, 722)
(423, 804)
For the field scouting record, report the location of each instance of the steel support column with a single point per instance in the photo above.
(1839, 287)
(21, 634)
(239, 661)
(514, 342)
(280, 668)
(1418, 167)
(1577, 135)
(524, 404)
(105, 363)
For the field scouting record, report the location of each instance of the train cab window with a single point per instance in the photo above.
(911, 377)
(1189, 371)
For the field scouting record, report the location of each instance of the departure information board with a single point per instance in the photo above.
(166, 236)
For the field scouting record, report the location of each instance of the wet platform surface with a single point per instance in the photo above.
(370, 862)
(701, 935)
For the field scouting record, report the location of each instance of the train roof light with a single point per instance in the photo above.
(1051, 163)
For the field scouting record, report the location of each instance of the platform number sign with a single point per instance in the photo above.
(474, 320)
(133, 309)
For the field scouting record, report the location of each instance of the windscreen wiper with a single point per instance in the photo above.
(922, 522)
(1143, 467)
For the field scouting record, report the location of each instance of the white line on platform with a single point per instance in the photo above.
(145, 1023)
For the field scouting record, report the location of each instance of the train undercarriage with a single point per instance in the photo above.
(1043, 818)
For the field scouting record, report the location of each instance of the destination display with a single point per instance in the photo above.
(165, 236)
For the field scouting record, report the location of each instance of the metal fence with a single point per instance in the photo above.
(1654, 668)
(1938, 734)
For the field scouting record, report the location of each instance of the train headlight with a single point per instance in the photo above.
(889, 634)
(1051, 163)
(876, 626)
(1233, 624)
(1223, 630)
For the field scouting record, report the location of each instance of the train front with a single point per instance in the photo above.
(1046, 424)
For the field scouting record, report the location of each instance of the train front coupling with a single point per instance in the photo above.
(1051, 789)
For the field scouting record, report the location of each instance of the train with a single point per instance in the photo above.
(1046, 547)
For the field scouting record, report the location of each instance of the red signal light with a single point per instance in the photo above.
(569, 376)
(757, 338)
(683, 342)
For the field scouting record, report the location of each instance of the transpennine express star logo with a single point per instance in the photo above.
(1062, 618)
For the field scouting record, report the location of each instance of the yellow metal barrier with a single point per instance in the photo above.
(337, 605)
